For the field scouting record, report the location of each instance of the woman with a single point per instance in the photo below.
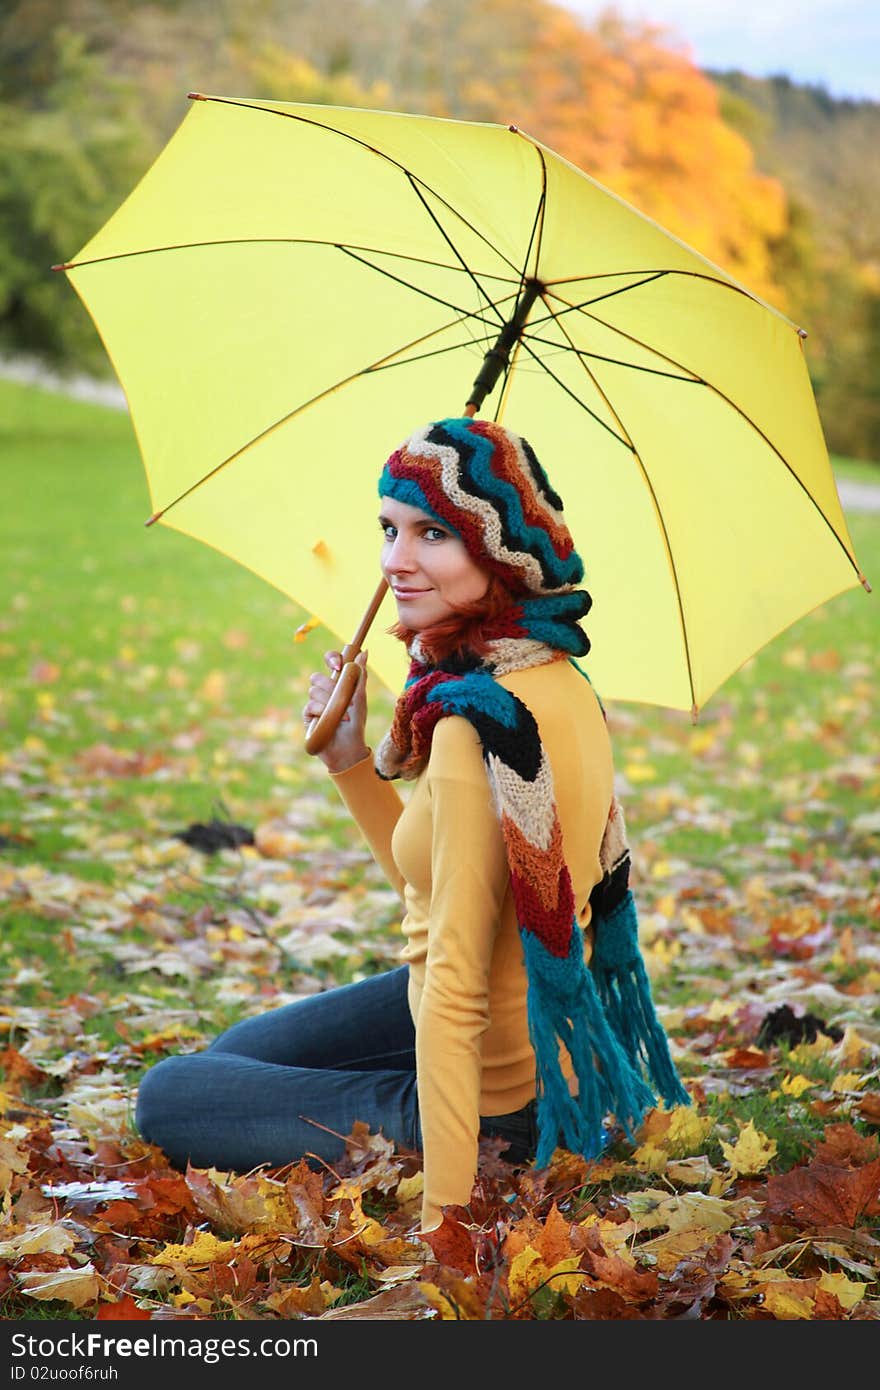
(510, 857)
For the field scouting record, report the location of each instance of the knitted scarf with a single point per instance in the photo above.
(603, 1013)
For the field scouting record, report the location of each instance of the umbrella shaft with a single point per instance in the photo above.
(497, 357)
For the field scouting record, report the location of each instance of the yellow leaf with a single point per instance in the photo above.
(848, 1292)
(688, 1130)
(673, 1247)
(697, 1209)
(614, 1235)
(304, 629)
(204, 1249)
(213, 687)
(751, 1153)
(787, 1305)
(371, 1233)
(795, 1085)
(848, 1081)
(410, 1188)
(528, 1272)
(187, 1299)
(810, 1052)
(720, 1009)
(693, 1172)
(76, 1286)
(852, 1048)
(36, 1240)
(236, 933)
(796, 657)
(640, 772)
(650, 1158)
(460, 1303)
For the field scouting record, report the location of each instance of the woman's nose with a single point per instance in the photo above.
(399, 558)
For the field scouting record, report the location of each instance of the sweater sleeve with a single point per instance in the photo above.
(470, 878)
(376, 806)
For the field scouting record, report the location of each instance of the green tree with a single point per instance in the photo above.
(67, 147)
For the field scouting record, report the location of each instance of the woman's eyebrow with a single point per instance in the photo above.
(418, 521)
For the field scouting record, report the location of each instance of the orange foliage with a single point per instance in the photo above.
(628, 105)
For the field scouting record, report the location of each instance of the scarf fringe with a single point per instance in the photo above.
(625, 992)
(564, 1006)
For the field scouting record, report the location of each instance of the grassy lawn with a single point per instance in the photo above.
(148, 683)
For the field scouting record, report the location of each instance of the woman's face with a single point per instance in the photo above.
(430, 573)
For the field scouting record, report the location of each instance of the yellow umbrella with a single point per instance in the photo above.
(292, 289)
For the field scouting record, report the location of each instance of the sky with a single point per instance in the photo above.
(830, 43)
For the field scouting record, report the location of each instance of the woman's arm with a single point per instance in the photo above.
(373, 802)
(376, 807)
(470, 879)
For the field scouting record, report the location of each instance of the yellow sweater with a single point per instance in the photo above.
(444, 852)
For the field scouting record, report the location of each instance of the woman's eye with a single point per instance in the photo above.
(387, 531)
(435, 533)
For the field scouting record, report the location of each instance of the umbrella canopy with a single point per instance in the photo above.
(292, 289)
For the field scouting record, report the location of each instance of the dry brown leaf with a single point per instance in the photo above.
(824, 1194)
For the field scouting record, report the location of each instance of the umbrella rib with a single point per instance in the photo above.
(451, 244)
(624, 430)
(271, 241)
(422, 356)
(695, 275)
(702, 381)
(612, 361)
(658, 511)
(575, 397)
(416, 289)
(378, 365)
(610, 294)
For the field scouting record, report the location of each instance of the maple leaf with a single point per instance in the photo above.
(848, 1292)
(825, 1194)
(617, 1271)
(454, 1298)
(290, 1301)
(790, 1298)
(869, 1107)
(671, 1249)
(232, 1204)
(528, 1272)
(453, 1243)
(795, 1085)
(843, 1144)
(20, 1070)
(751, 1153)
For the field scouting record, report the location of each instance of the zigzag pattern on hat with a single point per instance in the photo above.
(487, 485)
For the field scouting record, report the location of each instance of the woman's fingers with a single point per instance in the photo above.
(321, 688)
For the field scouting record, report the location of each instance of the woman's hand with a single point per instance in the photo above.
(348, 745)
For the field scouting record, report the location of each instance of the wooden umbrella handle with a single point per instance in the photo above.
(321, 730)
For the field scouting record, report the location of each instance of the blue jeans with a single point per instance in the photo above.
(291, 1082)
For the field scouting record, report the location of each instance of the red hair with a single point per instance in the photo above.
(466, 630)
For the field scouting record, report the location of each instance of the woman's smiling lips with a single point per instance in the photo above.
(409, 593)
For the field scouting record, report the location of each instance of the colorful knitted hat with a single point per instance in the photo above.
(487, 485)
